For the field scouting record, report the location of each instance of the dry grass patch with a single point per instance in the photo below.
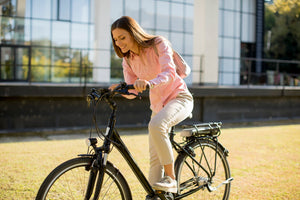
(264, 162)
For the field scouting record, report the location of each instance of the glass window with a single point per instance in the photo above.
(237, 24)
(41, 32)
(189, 1)
(188, 44)
(92, 11)
(116, 9)
(248, 28)
(41, 9)
(177, 41)
(40, 73)
(221, 23)
(15, 30)
(229, 5)
(132, 9)
(9, 8)
(60, 65)
(7, 63)
(61, 34)
(40, 56)
(189, 18)
(79, 36)
(163, 13)
(237, 4)
(64, 10)
(228, 47)
(227, 65)
(177, 17)
(228, 23)
(92, 37)
(22, 63)
(148, 14)
(80, 11)
(7, 33)
(40, 64)
(75, 58)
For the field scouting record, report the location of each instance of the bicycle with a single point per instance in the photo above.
(201, 167)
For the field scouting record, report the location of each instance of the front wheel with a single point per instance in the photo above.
(70, 181)
(193, 181)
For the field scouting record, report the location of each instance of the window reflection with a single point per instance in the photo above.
(148, 14)
(80, 10)
(41, 9)
(116, 9)
(132, 9)
(40, 64)
(60, 64)
(177, 17)
(40, 56)
(177, 41)
(7, 67)
(64, 10)
(41, 32)
(61, 34)
(79, 36)
(22, 63)
(189, 16)
(163, 13)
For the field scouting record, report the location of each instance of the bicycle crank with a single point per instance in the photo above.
(211, 189)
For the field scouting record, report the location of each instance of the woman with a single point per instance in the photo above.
(148, 60)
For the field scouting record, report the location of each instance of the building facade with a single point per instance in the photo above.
(54, 51)
(68, 41)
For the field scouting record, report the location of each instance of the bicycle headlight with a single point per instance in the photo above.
(91, 141)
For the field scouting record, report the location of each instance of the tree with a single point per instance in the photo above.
(282, 29)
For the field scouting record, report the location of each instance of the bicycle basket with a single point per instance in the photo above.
(212, 129)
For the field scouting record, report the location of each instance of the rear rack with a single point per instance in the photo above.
(212, 129)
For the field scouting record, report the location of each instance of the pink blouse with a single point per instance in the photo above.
(159, 70)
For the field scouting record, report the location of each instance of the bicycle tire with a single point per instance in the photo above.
(190, 176)
(69, 181)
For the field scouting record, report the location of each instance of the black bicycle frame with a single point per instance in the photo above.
(114, 137)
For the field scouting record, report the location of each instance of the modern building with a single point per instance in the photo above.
(68, 41)
(46, 45)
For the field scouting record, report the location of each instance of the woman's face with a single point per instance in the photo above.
(124, 40)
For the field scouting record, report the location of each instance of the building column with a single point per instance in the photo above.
(260, 10)
(205, 63)
(101, 71)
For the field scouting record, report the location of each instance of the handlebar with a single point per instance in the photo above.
(123, 89)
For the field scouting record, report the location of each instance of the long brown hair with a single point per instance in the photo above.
(143, 39)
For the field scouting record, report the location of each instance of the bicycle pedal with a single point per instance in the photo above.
(167, 195)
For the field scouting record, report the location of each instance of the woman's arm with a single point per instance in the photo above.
(165, 59)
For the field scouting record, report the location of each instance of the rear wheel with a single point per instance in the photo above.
(191, 177)
(70, 181)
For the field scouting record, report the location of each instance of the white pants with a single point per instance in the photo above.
(160, 147)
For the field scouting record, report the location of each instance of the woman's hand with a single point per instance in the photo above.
(113, 86)
(140, 85)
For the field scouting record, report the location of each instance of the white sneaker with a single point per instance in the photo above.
(166, 184)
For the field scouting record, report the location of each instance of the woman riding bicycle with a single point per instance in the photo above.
(148, 61)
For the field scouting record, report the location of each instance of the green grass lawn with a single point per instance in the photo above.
(264, 161)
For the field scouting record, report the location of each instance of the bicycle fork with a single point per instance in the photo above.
(97, 169)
